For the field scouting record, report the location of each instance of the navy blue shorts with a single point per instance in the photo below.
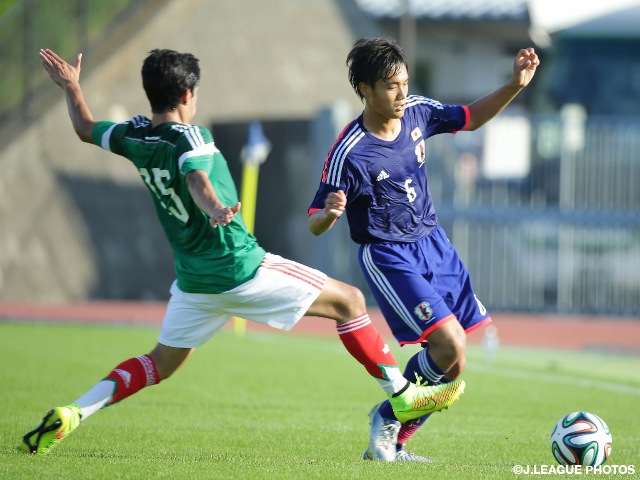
(419, 286)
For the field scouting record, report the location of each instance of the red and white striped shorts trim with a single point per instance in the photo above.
(296, 270)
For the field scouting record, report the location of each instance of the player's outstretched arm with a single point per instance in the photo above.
(321, 221)
(205, 197)
(484, 109)
(67, 77)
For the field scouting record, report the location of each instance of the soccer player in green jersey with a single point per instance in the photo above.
(221, 270)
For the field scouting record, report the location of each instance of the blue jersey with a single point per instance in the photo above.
(385, 182)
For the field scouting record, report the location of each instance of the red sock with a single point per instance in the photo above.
(133, 375)
(406, 432)
(363, 341)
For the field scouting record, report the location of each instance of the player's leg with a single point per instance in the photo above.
(446, 347)
(422, 367)
(131, 376)
(124, 380)
(443, 358)
(423, 364)
(413, 309)
(346, 305)
(283, 291)
(187, 324)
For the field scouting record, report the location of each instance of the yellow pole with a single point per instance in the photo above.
(249, 194)
(253, 154)
(248, 198)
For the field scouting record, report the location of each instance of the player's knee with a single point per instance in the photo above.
(448, 344)
(451, 354)
(357, 298)
(458, 346)
(354, 303)
(167, 360)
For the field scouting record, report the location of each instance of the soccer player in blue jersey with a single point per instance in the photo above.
(376, 172)
(221, 270)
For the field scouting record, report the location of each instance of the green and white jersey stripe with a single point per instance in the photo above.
(207, 260)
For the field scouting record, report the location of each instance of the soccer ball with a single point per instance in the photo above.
(581, 438)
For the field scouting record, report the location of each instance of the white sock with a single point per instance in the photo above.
(395, 382)
(96, 398)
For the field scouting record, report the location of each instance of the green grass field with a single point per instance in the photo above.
(285, 406)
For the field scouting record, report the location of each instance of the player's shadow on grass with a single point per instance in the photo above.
(133, 258)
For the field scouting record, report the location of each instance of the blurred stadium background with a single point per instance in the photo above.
(542, 203)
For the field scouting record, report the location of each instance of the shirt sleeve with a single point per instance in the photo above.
(101, 134)
(448, 119)
(321, 194)
(196, 150)
(350, 183)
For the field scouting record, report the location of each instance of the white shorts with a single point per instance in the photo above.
(279, 295)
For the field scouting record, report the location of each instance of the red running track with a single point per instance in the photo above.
(551, 331)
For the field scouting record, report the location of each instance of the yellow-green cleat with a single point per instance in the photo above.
(420, 400)
(55, 426)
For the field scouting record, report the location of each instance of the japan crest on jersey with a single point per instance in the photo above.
(424, 311)
(416, 133)
(420, 153)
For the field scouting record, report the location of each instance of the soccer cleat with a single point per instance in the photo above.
(403, 455)
(420, 400)
(55, 426)
(382, 438)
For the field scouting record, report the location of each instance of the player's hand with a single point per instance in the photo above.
(335, 203)
(524, 66)
(222, 216)
(60, 71)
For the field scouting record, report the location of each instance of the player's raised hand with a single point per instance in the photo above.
(524, 66)
(60, 71)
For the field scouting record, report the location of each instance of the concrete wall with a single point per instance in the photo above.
(75, 221)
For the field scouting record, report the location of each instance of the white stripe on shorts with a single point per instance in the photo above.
(296, 270)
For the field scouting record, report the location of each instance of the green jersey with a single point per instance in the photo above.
(206, 259)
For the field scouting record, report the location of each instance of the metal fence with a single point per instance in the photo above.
(545, 211)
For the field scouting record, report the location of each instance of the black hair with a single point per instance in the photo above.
(166, 75)
(373, 59)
